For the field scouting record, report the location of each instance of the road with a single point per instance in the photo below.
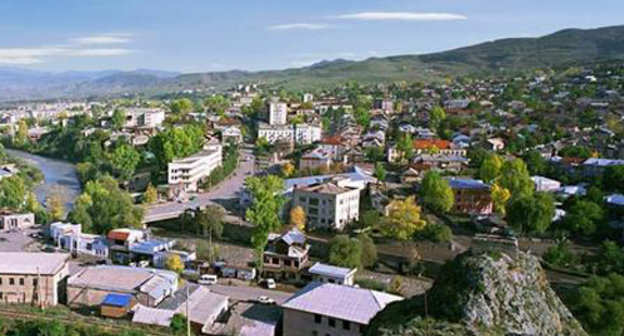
(226, 191)
(244, 292)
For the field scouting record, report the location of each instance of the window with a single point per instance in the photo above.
(313, 211)
(35, 282)
(287, 262)
(346, 325)
(314, 201)
(0, 281)
(11, 281)
(21, 281)
(302, 199)
(276, 261)
(318, 318)
(332, 322)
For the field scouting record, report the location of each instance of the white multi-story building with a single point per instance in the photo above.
(278, 113)
(144, 117)
(308, 97)
(328, 205)
(70, 237)
(191, 170)
(302, 134)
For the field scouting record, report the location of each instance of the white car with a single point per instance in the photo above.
(207, 279)
(265, 300)
(270, 283)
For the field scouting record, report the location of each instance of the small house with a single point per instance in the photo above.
(117, 305)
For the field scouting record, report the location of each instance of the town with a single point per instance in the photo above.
(271, 212)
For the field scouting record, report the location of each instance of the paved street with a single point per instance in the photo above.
(226, 191)
(244, 292)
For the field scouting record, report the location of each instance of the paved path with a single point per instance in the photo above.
(226, 192)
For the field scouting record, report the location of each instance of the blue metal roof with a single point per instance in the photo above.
(117, 300)
(467, 184)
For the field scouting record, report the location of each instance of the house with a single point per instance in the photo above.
(34, 278)
(231, 133)
(318, 158)
(144, 118)
(330, 309)
(332, 274)
(442, 162)
(303, 134)
(286, 255)
(117, 305)
(471, 196)
(428, 146)
(16, 222)
(190, 171)
(494, 144)
(545, 184)
(152, 316)
(149, 250)
(120, 241)
(204, 306)
(596, 167)
(410, 175)
(147, 286)
(69, 237)
(328, 205)
(238, 270)
(571, 190)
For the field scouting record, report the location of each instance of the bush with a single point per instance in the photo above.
(371, 284)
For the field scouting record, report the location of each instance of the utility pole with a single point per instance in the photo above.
(188, 313)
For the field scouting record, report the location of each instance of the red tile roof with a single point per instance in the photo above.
(430, 143)
(333, 140)
(118, 235)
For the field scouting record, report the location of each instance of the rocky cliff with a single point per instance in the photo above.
(488, 294)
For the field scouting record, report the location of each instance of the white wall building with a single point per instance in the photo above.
(278, 113)
(308, 97)
(144, 117)
(69, 237)
(191, 170)
(302, 134)
(328, 205)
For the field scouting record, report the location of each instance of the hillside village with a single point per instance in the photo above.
(261, 210)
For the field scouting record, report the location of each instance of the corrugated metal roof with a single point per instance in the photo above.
(330, 270)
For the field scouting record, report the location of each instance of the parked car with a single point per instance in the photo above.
(207, 279)
(270, 283)
(265, 300)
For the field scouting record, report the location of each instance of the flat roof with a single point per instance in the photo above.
(31, 263)
(330, 270)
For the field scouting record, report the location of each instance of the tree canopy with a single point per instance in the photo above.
(435, 192)
(403, 219)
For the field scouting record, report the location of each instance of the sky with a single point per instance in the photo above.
(219, 35)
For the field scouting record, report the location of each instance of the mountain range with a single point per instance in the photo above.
(564, 48)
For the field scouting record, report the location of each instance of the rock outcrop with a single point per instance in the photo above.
(486, 294)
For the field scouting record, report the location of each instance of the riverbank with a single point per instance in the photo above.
(57, 173)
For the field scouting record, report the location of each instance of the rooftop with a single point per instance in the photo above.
(342, 302)
(121, 278)
(332, 271)
(31, 263)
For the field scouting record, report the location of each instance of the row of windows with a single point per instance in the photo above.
(21, 281)
(332, 322)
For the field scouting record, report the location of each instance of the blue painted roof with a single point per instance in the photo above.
(149, 246)
(467, 184)
(117, 300)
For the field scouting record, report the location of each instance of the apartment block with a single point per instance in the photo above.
(190, 171)
(328, 205)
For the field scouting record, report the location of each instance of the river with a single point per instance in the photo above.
(56, 173)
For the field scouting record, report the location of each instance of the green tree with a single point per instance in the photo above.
(181, 107)
(405, 148)
(151, 195)
(583, 218)
(380, 172)
(12, 193)
(174, 263)
(403, 219)
(345, 252)
(264, 213)
(599, 305)
(613, 178)
(176, 142)
(531, 214)
(436, 116)
(298, 217)
(210, 221)
(119, 118)
(178, 324)
(103, 206)
(515, 177)
(490, 168)
(217, 103)
(55, 203)
(535, 162)
(369, 250)
(21, 139)
(125, 160)
(500, 197)
(435, 193)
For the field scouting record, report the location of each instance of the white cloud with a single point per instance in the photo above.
(299, 26)
(26, 56)
(103, 39)
(402, 16)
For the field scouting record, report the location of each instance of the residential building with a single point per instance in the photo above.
(120, 241)
(70, 237)
(596, 166)
(322, 157)
(328, 205)
(144, 118)
(471, 196)
(148, 286)
(303, 134)
(429, 146)
(333, 274)
(34, 278)
(278, 112)
(204, 306)
(231, 133)
(190, 171)
(329, 309)
(16, 222)
(308, 97)
(545, 184)
(306, 134)
(286, 255)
